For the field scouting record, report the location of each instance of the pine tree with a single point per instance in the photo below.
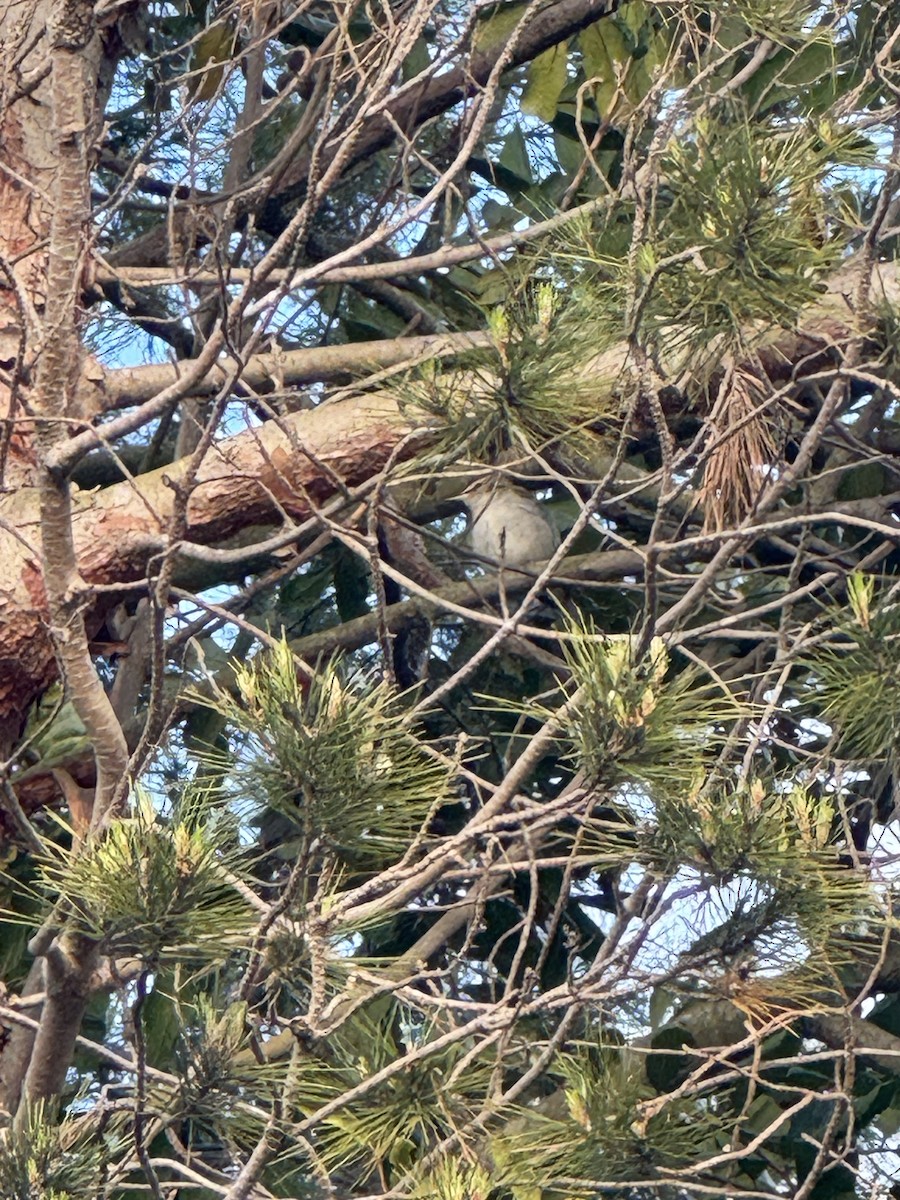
(350, 849)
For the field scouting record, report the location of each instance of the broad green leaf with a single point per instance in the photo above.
(465, 279)
(886, 1014)
(597, 61)
(494, 287)
(496, 215)
(548, 193)
(370, 320)
(762, 1113)
(633, 15)
(661, 1000)
(495, 29)
(666, 1070)
(569, 153)
(603, 47)
(888, 1121)
(417, 60)
(637, 80)
(514, 156)
(810, 63)
(161, 1026)
(546, 80)
(875, 1101)
(351, 585)
(868, 479)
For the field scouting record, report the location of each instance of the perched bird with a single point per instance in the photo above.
(507, 523)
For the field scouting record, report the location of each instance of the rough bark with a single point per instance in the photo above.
(249, 480)
(253, 478)
(54, 54)
(26, 188)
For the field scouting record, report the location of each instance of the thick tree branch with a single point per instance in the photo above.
(254, 478)
(257, 478)
(127, 386)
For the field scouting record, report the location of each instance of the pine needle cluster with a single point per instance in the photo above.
(596, 1130)
(43, 1160)
(395, 1120)
(154, 886)
(635, 719)
(333, 757)
(217, 1071)
(853, 678)
(739, 241)
(536, 387)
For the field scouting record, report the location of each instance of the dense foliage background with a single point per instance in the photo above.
(351, 852)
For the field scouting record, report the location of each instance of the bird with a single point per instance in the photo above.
(506, 523)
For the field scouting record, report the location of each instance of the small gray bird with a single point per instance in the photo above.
(508, 524)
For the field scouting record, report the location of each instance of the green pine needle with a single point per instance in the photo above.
(40, 1159)
(334, 758)
(156, 887)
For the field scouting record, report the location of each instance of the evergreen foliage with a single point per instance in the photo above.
(432, 880)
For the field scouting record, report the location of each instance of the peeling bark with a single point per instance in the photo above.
(54, 132)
